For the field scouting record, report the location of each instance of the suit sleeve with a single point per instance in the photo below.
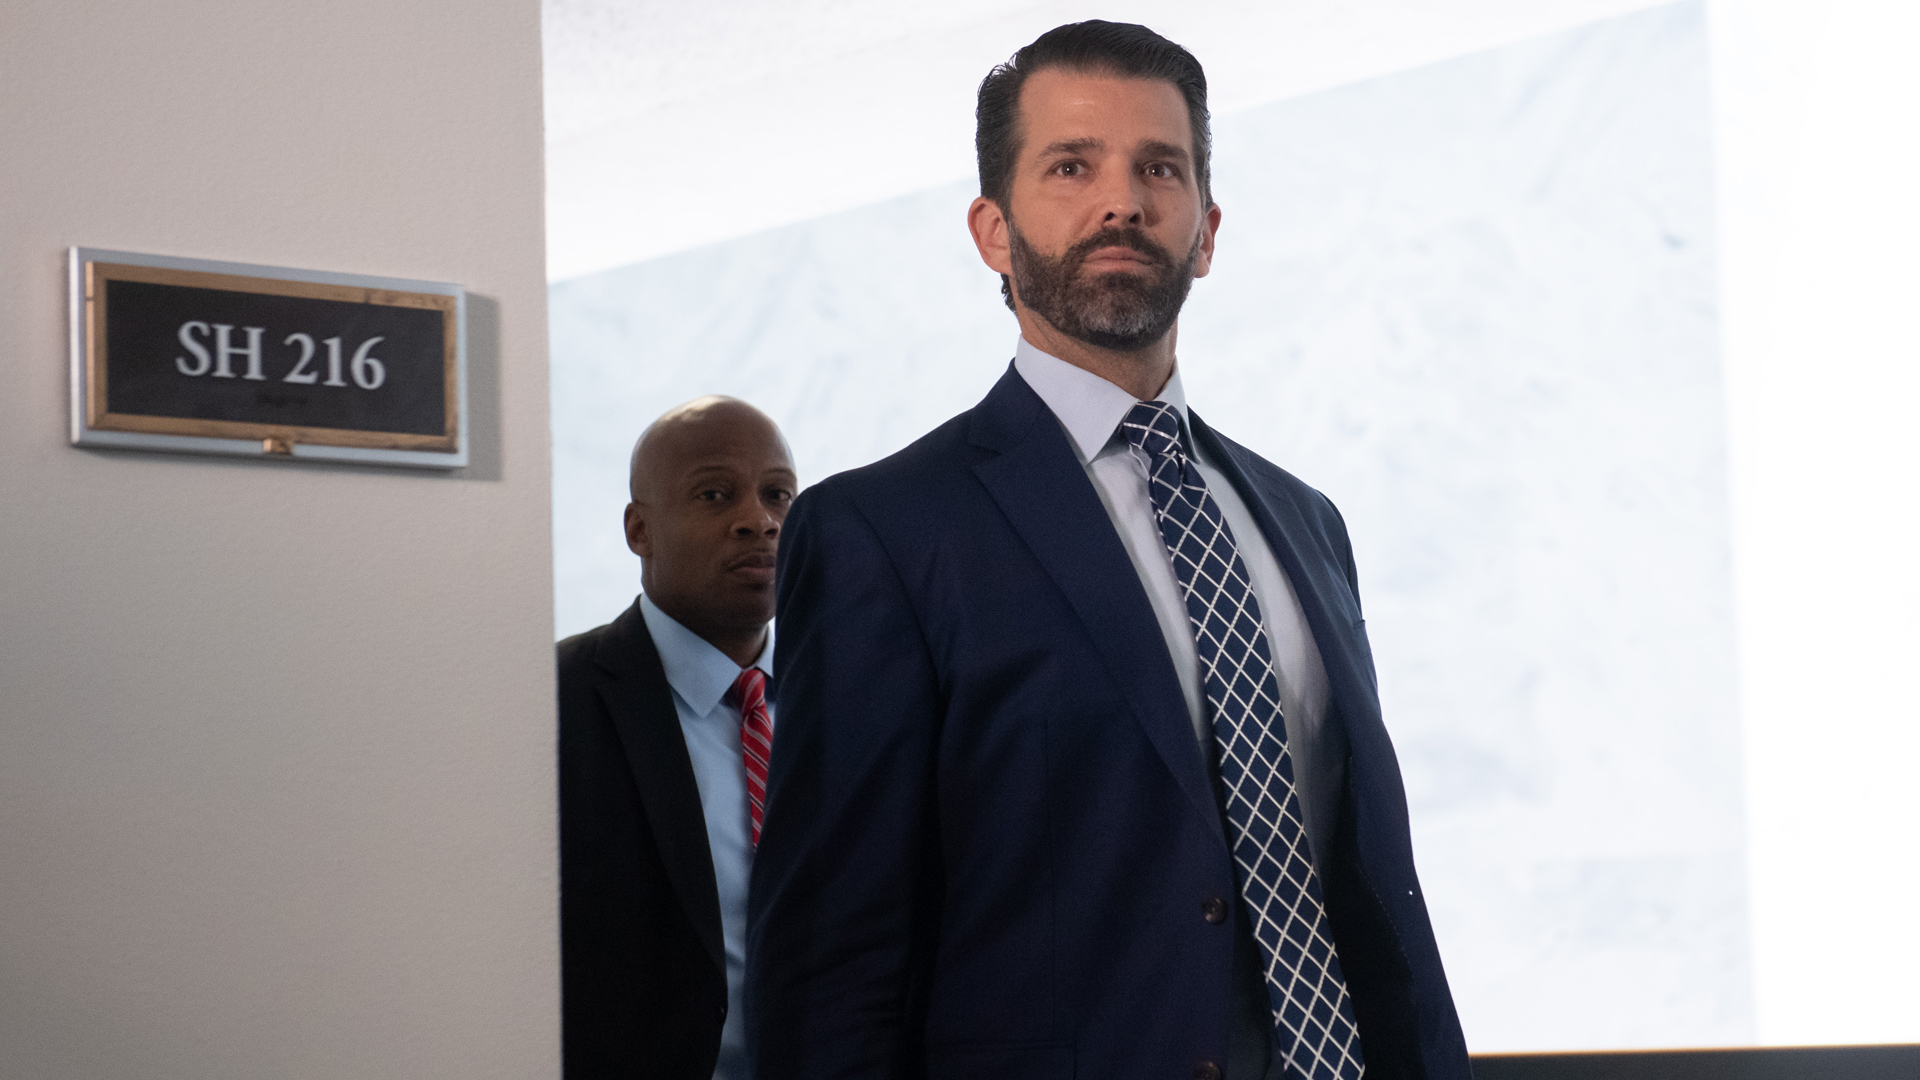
(1346, 550)
(842, 910)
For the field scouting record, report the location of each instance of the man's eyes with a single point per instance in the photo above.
(780, 495)
(1159, 170)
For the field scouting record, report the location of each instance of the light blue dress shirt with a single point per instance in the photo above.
(700, 676)
(1090, 409)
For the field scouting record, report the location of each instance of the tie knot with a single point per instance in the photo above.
(1153, 427)
(749, 691)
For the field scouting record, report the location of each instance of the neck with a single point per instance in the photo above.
(741, 645)
(741, 648)
(1143, 373)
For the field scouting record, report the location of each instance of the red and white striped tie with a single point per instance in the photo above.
(749, 695)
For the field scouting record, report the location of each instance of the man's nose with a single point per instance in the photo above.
(1123, 194)
(758, 521)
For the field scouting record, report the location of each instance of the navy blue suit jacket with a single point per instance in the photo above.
(991, 836)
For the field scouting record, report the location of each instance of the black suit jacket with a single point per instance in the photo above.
(993, 846)
(642, 967)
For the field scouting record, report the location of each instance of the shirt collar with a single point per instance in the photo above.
(698, 672)
(1088, 406)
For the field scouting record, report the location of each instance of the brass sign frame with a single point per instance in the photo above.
(93, 425)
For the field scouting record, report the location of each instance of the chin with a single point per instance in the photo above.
(753, 610)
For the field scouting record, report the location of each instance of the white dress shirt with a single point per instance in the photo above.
(700, 676)
(1090, 409)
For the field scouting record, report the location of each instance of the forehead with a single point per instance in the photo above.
(719, 442)
(1060, 104)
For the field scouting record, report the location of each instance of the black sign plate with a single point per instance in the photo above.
(209, 354)
(290, 363)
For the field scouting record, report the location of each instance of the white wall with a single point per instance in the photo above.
(1475, 304)
(859, 101)
(1818, 104)
(275, 740)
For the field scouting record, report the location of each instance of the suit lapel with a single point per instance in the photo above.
(1325, 597)
(1039, 484)
(640, 701)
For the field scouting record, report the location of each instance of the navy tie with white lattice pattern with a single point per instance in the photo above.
(1312, 1012)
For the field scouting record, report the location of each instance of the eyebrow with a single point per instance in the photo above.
(1089, 144)
(1074, 146)
(1156, 148)
(701, 474)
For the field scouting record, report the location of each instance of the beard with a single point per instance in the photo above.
(1118, 310)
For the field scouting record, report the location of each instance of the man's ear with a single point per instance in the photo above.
(988, 224)
(638, 539)
(1208, 230)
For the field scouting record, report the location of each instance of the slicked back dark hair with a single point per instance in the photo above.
(1096, 46)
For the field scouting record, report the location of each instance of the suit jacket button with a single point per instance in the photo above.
(1214, 910)
(720, 1011)
(1206, 1070)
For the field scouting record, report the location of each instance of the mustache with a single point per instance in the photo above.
(761, 556)
(1131, 237)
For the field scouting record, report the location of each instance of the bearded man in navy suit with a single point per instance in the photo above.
(1081, 769)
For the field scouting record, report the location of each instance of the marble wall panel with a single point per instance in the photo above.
(1474, 303)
